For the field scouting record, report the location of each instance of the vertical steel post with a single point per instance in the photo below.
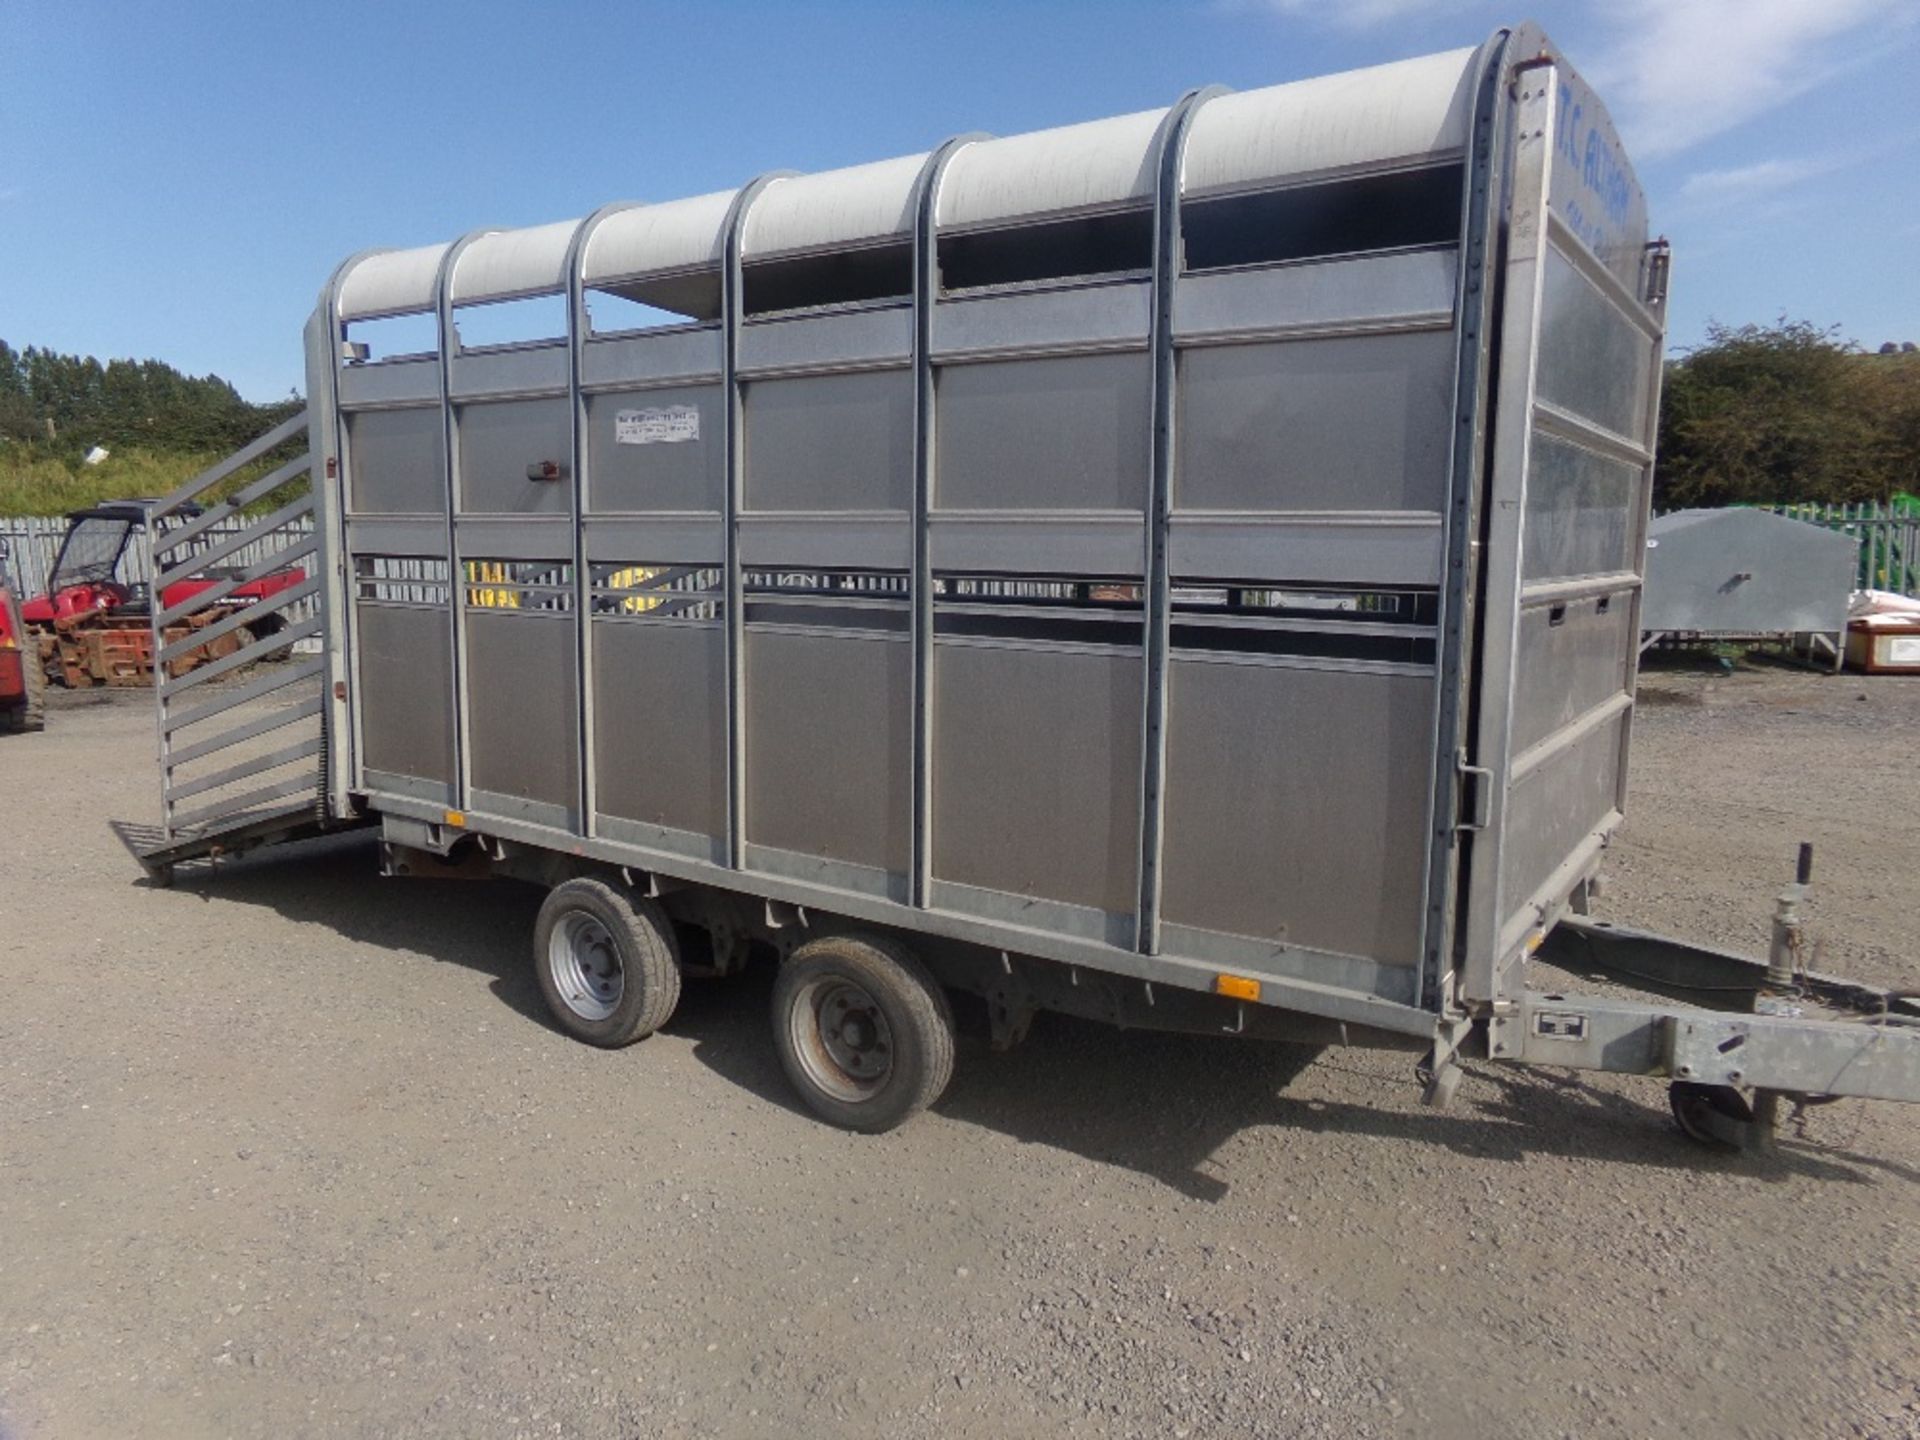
(926, 294)
(577, 331)
(731, 312)
(450, 444)
(1473, 321)
(1159, 604)
(1534, 113)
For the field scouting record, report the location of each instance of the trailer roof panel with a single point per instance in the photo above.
(392, 282)
(651, 239)
(834, 208)
(505, 264)
(1097, 165)
(1410, 110)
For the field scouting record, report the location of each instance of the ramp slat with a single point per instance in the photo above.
(274, 603)
(292, 714)
(266, 685)
(194, 604)
(274, 438)
(231, 506)
(259, 765)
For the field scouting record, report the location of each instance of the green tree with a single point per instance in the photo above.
(1782, 412)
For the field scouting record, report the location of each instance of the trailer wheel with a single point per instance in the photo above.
(864, 1032)
(608, 965)
(1716, 1116)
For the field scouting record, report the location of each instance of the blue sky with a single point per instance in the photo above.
(177, 179)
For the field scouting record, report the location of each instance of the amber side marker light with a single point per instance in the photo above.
(456, 817)
(1236, 987)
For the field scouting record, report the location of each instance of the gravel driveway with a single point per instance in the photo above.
(290, 1151)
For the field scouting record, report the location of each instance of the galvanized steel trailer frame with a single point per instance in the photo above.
(1524, 572)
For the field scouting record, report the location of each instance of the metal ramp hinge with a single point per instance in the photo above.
(1476, 796)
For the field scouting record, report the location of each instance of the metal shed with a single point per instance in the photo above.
(1182, 568)
(1739, 574)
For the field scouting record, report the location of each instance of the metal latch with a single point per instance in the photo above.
(1659, 266)
(1476, 796)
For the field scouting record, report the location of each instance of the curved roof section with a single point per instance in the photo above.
(650, 239)
(836, 207)
(1076, 167)
(1402, 113)
(393, 282)
(1405, 111)
(505, 264)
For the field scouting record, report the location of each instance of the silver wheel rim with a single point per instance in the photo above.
(585, 967)
(842, 1038)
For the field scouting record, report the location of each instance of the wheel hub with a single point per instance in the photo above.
(585, 965)
(843, 1039)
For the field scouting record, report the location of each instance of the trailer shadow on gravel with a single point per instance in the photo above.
(1160, 1105)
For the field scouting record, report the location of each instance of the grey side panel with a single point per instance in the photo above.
(1067, 433)
(1040, 544)
(858, 337)
(406, 689)
(830, 442)
(1351, 423)
(1296, 801)
(1600, 369)
(1580, 507)
(651, 357)
(521, 705)
(398, 462)
(499, 440)
(1036, 773)
(678, 475)
(662, 540)
(1084, 315)
(1332, 550)
(1564, 800)
(508, 370)
(1571, 660)
(660, 723)
(392, 382)
(1413, 287)
(828, 731)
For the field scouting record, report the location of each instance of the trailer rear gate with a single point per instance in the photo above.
(1063, 543)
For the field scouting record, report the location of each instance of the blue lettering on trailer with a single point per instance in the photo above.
(1591, 157)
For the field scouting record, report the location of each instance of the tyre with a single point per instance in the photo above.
(864, 1033)
(607, 964)
(1715, 1116)
(32, 715)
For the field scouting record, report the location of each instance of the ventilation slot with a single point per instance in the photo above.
(1083, 248)
(1339, 217)
(655, 302)
(392, 337)
(496, 324)
(842, 277)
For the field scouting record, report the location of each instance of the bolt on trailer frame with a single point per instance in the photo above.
(1183, 568)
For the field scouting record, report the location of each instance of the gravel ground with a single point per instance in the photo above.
(291, 1152)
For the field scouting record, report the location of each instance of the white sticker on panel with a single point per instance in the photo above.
(667, 425)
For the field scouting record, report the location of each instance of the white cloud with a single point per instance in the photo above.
(1717, 188)
(1681, 71)
(1350, 14)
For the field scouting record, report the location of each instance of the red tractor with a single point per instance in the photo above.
(22, 685)
(93, 626)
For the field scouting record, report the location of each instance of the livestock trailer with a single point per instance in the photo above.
(1740, 574)
(1182, 569)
